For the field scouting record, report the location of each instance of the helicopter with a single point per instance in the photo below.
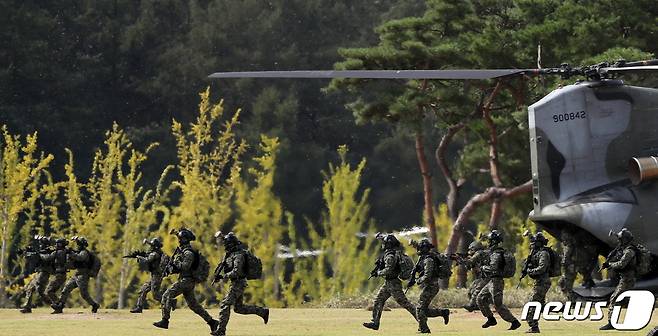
(593, 151)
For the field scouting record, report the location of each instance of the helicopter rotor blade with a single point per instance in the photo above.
(630, 69)
(379, 74)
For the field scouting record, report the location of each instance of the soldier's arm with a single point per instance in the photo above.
(627, 257)
(48, 257)
(389, 265)
(428, 266)
(184, 262)
(476, 259)
(237, 271)
(543, 264)
(80, 256)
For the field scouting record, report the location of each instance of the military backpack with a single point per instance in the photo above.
(555, 269)
(94, 264)
(642, 259)
(253, 266)
(509, 264)
(442, 269)
(406, 265)
(200, 268)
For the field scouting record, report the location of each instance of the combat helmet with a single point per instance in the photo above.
(231, 241)
(185, 236)
(625, 236)
(538, 239)
(155, 242)
(424, 245)
(61, 243)
(389, 241)
(494, 238)
(81, 241)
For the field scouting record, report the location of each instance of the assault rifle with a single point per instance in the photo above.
(379, 264)
(460, 258)
(170, 268)
(217, 275)
(412, 281)
(135, 254)
(524, 270)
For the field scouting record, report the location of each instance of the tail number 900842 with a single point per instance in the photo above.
(569, 116)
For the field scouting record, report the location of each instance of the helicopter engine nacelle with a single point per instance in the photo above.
(642, 169)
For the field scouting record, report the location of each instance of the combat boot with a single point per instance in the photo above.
(446, 316)
(213, 324)
(26, 310)
(607, 327)
(265, 315)
(515, 325)
(491, 321)
(371, 325)
(57, 308)
(136, 310)
(94, 308)
(533, 330)
(164, 324)
(424, 331)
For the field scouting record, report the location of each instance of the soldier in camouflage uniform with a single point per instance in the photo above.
(622, 260)
(478, 256)
(390, 270)
(81, 261)
(578, 256)
(428, 268)
(183, 264)
(234, 267)
(153, 263)
(43, 271)
(493, 290)
(57, 259)
(538, 266)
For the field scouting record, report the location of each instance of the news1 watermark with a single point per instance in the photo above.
(638, 310)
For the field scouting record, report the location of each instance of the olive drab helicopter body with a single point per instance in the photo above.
(592, 148)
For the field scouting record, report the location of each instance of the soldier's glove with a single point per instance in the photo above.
(605, 265)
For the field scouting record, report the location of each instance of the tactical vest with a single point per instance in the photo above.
(59, 262)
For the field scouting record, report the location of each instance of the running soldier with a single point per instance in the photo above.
(154, 262)
(579, 255)
(538, 267)
(184, 262)
(235, 268)
(389, 267)
(493, 290)
(57, 259)
(431, 266)
(622, 260)
(478, 256)
(82, 261)
(43, 271)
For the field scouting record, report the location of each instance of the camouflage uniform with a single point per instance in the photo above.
(577, 257)
(57, 259)
(234, 268)
(538, 269)
(493, 290)
(623, 263)
(392, 287)
(39, 281)
(152, 262)
(185, 285)
(81, 263)
(429, 283)
(474, 263)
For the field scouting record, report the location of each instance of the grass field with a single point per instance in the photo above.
(301, 322)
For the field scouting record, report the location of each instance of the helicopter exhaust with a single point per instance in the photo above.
(642, 169)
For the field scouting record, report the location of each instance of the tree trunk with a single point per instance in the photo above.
(492, 193)
(122, 282)
(427, 187)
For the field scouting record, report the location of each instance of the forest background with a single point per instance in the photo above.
(103, 136)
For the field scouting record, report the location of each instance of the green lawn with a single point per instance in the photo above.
(302, 322)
